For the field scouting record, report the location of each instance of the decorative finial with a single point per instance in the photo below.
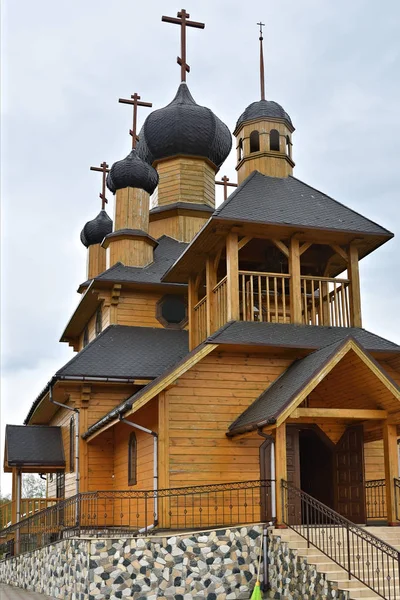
(183, 22)
(135, 103)
(262, 78)
(103, 169)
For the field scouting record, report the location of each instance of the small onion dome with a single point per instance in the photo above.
(263, 109)
(184, 127)
(133, 172)
(96, 230)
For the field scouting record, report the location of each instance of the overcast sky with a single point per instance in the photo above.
(333, 65)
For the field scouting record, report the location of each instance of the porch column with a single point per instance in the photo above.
(391, 469)
(232, 272)
(295, 281)
(211, 282)
(355, 296)
(280, 470)
(16, 496)
(192, 301)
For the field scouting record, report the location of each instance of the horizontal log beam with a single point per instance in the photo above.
(338, 413)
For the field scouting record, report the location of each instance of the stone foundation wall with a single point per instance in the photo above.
(210, 565)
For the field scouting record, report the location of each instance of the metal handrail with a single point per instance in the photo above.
(397, 497)
(132, 512)
(364, 556)
(375, 499)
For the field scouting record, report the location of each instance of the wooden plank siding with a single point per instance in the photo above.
(202, 405)
(181, 227)
(138, 309)
(373, 460)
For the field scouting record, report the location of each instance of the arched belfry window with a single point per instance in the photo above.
(72, 444)
(240, 149)
(254, 141)
(288, 147)
(274, 140)
(132, 459)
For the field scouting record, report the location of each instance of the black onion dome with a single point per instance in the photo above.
(134, 172)
(96, 230)
(263, 109)
(184, 127)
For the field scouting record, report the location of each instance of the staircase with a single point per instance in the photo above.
(336, 574)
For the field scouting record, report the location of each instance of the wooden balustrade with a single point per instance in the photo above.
(200, 321)
(264, 297)
(221, 309)
(325, 301)
(29, 506)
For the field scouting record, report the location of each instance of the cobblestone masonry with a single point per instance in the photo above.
(211, 565)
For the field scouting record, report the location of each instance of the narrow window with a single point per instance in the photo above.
(254, 141)
(240, 149)
(85, 337)
(132, 459)
(99, 321)
(72, 444)
(274, 140)
(288, 147)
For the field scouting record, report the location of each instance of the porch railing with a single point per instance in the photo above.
(325, 301)
(138, 512)
(264, 297)
(29, 506)
(397, 497)
(200, 320)
(364, 556)
(220, 303)
(375, 499)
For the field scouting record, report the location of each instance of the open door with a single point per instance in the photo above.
(349, 475)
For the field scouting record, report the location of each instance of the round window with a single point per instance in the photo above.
(171, 311)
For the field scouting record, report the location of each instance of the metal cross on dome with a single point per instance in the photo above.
(224, 182)
(262, 75)
(183, 21)
(103, 169)
(135, 103)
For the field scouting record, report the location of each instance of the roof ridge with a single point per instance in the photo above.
(341, 204)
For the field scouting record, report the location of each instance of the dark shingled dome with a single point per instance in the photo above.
(133, 172)
(96, 230)
(184, 127)
(263, 108)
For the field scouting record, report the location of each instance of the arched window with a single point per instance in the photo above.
(72, 444)
(254, 141)
(132, 459)
(99, 321)
(274, 140)
(240, 149)
(85, 337)
(288, 147)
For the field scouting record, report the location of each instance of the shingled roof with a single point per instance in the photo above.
(289, 335)
(128, 352)
(166, 253)
(34, 445)
(289, 201)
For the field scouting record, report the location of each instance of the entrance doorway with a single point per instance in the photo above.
(316, 466)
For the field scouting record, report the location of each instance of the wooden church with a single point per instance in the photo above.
(218, 349)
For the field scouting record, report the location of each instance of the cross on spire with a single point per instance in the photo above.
(262, 76)
(224, 182)
(182, 20)
(103, 169)
(135, 103)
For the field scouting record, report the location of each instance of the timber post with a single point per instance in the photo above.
(232, 273)
(280, 471)
(391, 469)
(295, 281)
(211, 282)
(355, 296)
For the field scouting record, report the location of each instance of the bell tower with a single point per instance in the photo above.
(264, 135)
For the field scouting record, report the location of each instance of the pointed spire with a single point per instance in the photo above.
(262, 74)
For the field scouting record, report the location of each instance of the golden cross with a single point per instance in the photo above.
(103, 169)
(224, 182)
(182, 20)
(135, 103)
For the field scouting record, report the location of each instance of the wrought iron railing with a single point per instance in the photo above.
(364, 556)
(397, 497)
(375, 499)
(138, 512)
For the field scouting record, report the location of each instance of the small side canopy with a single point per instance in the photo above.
(33, 448)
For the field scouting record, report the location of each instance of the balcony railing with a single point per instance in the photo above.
(264, 297)
(200, 320)
(139, 512)
(325, 301)
(29, 506)
(220, 303)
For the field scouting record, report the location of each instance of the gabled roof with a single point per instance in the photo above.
(166, 253)
(289, 201)
(34, 445)
(289, 335)
(128, 352)
(296, 380)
